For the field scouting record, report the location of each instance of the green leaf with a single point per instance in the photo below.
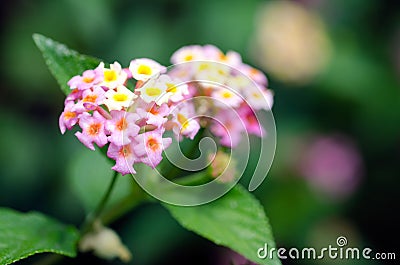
(63, 62)
(236, 220)
(25, 234)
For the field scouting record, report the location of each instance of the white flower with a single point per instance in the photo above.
(156, 90)
(143, 69)
(226, 97)
(260, 98)
(212, 71)
(113, 76)
(176, 89)
(239, 83)
(119, 99)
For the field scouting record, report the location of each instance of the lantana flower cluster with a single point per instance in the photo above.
(130, 109)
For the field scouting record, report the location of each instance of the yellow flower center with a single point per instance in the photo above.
(110, 75)
(144, 70)
(153, 91)
(171, 88)
(183, 120)
(227, 95)
(188, 57)
(221, 72)
(120, 97)
(204, 66)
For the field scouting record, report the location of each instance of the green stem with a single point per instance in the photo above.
(193, 179)
(106, 196)
(124, 205)
(100, 207)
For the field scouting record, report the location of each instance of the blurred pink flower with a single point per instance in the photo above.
(229, 257)
(250, 120)
(228, 128)
(332, 165)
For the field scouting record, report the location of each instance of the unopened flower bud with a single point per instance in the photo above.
(105, 243)
(223, 167)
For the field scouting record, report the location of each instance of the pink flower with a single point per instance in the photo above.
(153, 114)
(211, 52)
(76, 94)
(91, 98)
(123, 156)
(122, 127)
(92, 130)
(228, 127)
(149, 147)
(69, 117)
(88, 79)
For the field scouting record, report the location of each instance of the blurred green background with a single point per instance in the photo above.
(334, 67)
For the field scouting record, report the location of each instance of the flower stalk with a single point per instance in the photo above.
(95, 216)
